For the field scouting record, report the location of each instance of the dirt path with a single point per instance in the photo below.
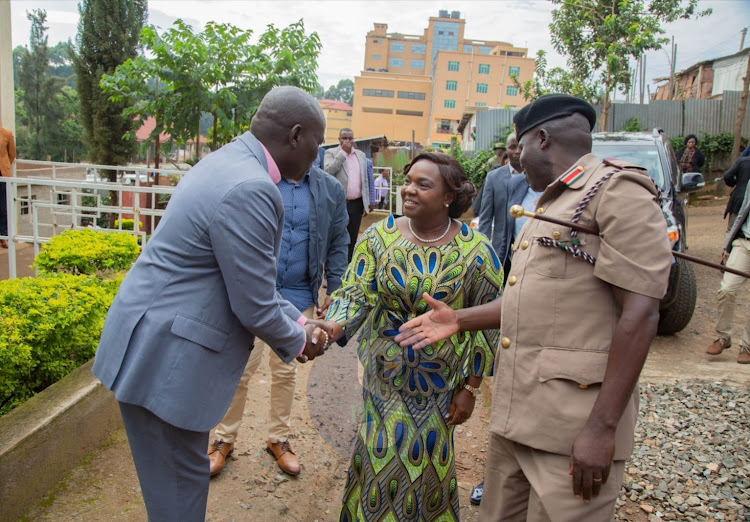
(105, 486)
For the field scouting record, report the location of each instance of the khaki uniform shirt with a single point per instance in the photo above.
(559, 312)
(7, 152)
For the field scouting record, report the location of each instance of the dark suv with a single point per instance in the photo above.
(654, 153)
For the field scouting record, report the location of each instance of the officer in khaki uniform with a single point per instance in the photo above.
(579, 312)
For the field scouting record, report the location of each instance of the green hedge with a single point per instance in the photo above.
(88, 252)
(49, 326)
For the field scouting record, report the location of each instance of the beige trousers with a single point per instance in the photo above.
(525, 484)
(731, 284)
(283, 381)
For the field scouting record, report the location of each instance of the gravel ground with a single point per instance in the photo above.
(691, 457)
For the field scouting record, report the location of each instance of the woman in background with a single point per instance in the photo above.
(689, 157)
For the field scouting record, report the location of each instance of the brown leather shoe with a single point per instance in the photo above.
(217, 455)
(718, 346)
(4, 243)
(744, 356)
(286, 458)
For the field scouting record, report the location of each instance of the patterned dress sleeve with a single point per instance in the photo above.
(486, 279)
(351, 303)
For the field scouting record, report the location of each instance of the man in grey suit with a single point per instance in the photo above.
(180, 330)
(349, 166)
(493, 215)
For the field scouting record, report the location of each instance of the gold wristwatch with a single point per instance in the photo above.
(474, 391)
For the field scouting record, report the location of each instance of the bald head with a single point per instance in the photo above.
(291, 125)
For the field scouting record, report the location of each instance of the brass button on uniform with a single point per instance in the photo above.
(540, 210)
(583, 386)
(505, 342)
(524, 245)
(512, 280)
(556, 234)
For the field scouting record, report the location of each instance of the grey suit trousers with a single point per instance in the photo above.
(172, 466)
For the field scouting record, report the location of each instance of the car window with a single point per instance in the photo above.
(642, 154)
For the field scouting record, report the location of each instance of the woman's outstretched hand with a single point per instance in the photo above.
(439, 323)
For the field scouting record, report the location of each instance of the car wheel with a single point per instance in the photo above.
(677, 316)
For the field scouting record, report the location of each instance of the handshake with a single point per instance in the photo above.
(319, 335)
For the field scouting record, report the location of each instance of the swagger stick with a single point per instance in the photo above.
(518, 211)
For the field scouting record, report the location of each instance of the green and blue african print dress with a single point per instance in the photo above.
(403, 463)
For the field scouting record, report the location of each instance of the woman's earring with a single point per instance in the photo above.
(447, 205)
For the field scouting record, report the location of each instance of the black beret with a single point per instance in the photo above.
(550, 107)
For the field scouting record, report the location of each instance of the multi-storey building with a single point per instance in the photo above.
(417, 88)
(338, 116)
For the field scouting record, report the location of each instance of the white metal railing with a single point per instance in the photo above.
(394, 193)
(49, 197)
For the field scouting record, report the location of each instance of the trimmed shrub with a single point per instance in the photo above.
(49, 326)
(127, 224)
(88, 252)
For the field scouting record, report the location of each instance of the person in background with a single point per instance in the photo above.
(181, 327)
(314, 237)
(736, 254)
(403, 463)
(577, 318)
(349, 166)
(492, 163)
(737, 176)
(7, 157)
(381, 189)
(689, 157)
(319, 159)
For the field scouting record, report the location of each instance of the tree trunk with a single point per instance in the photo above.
(216, 130)
(605, 107)
(198, 139)
(741, 112)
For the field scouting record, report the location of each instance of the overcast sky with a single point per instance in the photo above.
(342, 25)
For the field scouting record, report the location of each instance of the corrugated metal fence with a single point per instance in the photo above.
(676, 118)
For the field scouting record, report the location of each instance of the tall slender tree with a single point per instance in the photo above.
(108, 33)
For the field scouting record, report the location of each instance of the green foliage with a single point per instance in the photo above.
(555, 80)
(219, 71)
(343, 91)
(633, 125)
(127, 224)
(48, 327)
(472, 165)
(87, 252)
(108, 33)
(600, 37)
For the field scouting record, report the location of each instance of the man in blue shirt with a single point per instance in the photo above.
(314, 236)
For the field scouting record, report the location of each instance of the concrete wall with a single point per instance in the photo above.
(42, 439)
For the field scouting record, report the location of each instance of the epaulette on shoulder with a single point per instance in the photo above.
(618, 163)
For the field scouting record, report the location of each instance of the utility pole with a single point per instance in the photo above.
(742, 38)
(672, 72)
(643, 76)
(741, 111)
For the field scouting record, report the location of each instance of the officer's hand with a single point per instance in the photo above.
(461, 408)
(590, 461)
(724, 257)
(439, 323)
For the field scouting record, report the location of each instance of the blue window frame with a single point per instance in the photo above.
(514, 71)
(395, 62)
(484, 68)
(417, 64)
(397, 47)
(453, 66)
(482, 88)
(449, 104)
(511, 91)
(451, 85)
(418, 48)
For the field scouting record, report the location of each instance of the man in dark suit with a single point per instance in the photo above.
(493, 214)
(180, 330)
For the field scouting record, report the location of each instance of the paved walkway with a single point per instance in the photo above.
(24, 258)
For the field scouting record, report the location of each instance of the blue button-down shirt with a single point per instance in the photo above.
(292, 279)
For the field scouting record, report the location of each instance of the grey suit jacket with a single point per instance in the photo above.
(180, 330)
(741, 218)
(515, 189)
(492, 214)
(334, 165)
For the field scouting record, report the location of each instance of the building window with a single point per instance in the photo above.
(25, 205)
(377, 92)
(511, 91)
(376, 41)
(514, 71)
(419, 48)
(480, 104)
(468, 48)
(484, 68)
(482, 88)
(377, 109)
(397, 47)
(485, 49)
(63, 198)
(451, 85)
(453, 66)
(417, 64)
(376, 57)
(449, 104)
(409, 95)
(444, 127)
(409, 113)
(395, 62)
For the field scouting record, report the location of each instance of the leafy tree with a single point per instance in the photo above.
(555, 80)
(343, 91)
(599, 37)
(219, 71)
(108, 32)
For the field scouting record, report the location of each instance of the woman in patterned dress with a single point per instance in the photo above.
(403, 463)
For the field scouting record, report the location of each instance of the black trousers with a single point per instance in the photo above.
(355, 208)
(3, 209)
